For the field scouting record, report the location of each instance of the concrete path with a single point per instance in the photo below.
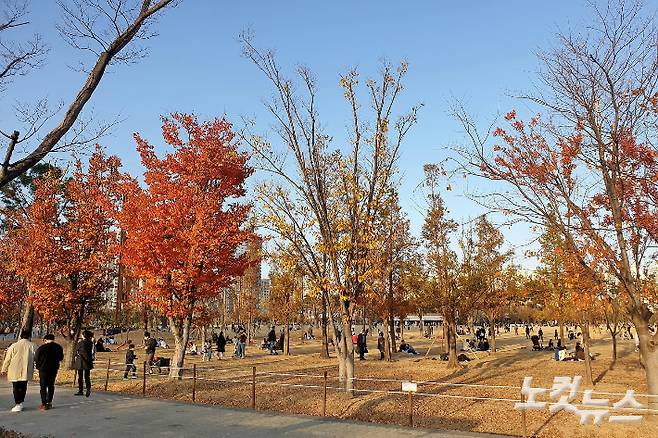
(110, 415)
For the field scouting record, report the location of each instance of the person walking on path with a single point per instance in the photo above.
(84, 362)
(527, 332)
(221, 345)
(130, 363)
(381, 345)
(19, 366)
(47, 359)
(150, 345)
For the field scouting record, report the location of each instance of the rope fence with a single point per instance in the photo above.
(323, 382)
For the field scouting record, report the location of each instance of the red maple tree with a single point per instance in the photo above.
(65, 245)
(187, 231)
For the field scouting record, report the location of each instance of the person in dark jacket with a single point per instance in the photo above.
(241, 351)
(150, 344)
(100, 346)
(47, 359)
(361, 345)
(221, 345)
(271, 340)
(130, 363)
(84, 362)
(381, 345)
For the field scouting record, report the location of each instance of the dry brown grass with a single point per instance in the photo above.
(442, 409)
(4, 433)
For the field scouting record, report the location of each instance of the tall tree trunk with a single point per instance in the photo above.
(387, 343)
(70, 335)
(69, 352)
(27, 319)
(588, 360)
(145, 318)
(180, 328)
(324, 352)
(562, 331)
(614, 349)
(286, 340)
(224, 310)
(452, 341)
(444, 324)
(203, 334)
(70, 340)
(648, 357)
(470, 321)
(391, 330)
(347, 349)
(250, 329)
(492, 323)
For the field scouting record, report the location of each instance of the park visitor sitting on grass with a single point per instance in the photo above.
(406, 348)
(483, 345)
(100, 346)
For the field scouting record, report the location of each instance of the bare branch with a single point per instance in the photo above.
(106, 28)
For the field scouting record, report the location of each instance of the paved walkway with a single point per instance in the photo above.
(111, 415)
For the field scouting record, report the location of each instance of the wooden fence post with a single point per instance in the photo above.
(525, 427)
(411, 408)
(324, 399)
(193, 383)
(144, 381)
(107, 374)
(253, 388)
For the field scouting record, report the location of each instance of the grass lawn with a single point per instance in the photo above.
(294, 384)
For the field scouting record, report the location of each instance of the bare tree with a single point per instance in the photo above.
(17, 58)
(108, 29)
(325, 202)
(590, 169)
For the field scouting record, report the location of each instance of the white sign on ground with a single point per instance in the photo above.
(409, 387)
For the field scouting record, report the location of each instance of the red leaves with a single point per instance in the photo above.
(186, 230)
(64, 245)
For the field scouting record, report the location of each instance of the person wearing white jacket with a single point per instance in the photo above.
(19, 366)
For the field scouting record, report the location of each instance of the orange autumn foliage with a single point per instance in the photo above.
(12, 292)
(186, 231)
(65, 244)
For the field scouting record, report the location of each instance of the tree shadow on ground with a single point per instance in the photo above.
(363, 410)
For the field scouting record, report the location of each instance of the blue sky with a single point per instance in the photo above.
(477, 51)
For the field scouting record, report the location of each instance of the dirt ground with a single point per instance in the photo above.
(4, 433)
(295, 384)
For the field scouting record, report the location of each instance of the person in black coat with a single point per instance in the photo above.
(361, 345)
(271, 341)
(221, 345)
(84, 362)
(47, 359)
(381, 345)
(100, 346)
